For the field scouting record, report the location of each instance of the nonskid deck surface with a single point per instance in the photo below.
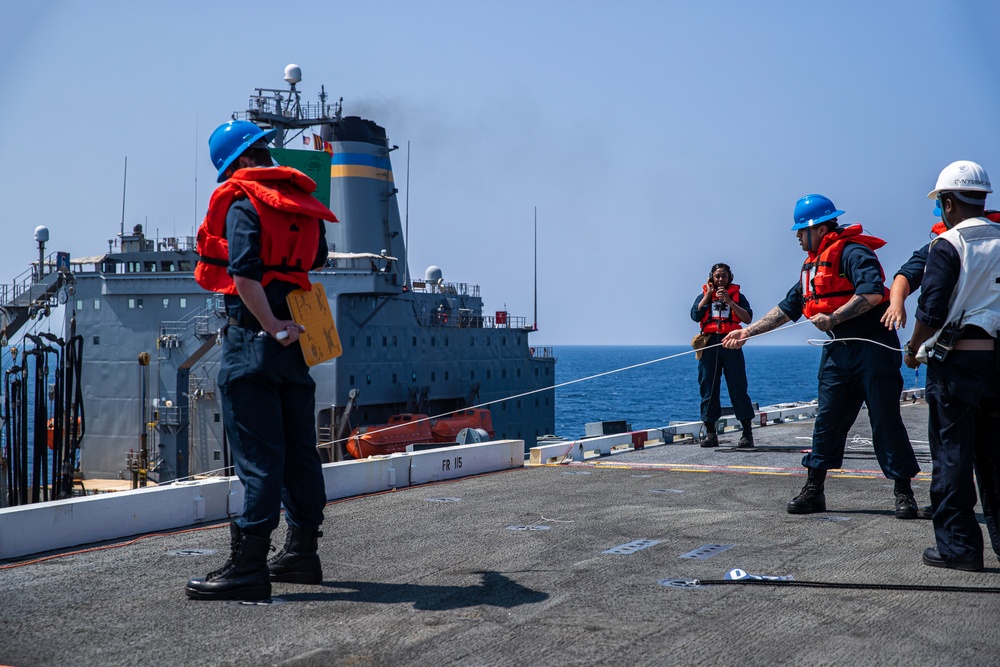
(514, 568)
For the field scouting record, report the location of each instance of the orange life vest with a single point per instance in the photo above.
(289, 227)
(824, 288)
(711, 323)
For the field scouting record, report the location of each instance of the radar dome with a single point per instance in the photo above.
(42, 236)
(293, 74)
(432, 274)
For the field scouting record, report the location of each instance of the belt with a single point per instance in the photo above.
(975, 345)
(250, 324)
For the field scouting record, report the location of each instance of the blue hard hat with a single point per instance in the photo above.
(812, 210)
(230, 140)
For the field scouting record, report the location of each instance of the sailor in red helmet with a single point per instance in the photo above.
(842, 291)
(263, 233)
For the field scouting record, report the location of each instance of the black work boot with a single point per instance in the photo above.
(906, 504)
(298, 562)
(711, 438)
(811, 499)
(243, 577)
(746, 440)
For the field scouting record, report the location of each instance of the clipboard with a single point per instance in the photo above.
(311, 309)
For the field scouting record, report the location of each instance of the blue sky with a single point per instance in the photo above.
(654, 138)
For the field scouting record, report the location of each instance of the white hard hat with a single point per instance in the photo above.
(961, 176)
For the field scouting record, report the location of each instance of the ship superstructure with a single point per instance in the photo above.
(410, 345)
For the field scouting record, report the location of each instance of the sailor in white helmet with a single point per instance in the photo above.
(955, 334)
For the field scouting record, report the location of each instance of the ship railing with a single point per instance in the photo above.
(26, 287)
(174, 415)
(464, 320)
(543, 352)
(200, 323)
(463, 289)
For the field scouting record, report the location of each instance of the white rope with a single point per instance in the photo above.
(565, 384)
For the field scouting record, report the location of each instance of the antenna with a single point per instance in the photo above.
(124, 182)
(195, 172)
(535, 324)
(406, 234)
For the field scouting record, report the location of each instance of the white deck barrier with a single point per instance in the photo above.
(59, 524)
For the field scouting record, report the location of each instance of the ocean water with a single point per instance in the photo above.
(653, 395)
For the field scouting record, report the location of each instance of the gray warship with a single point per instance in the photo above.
(147, 368)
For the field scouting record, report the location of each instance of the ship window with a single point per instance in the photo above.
(97, 340)
(472, 341)
(518, 372)
(517, 340)
(217, 417)
(433, 341)
(368, 341)
(183, 302)
(216, 455)
(503, 406)
(138, 303)
(97, 304)
(487, 341)
(395, 341)
(368, 379)
(414, 341)
(79, 304)
(132, 267)
(518, 404)
(446, 341)
(149, 266)
(536, 371)
(385, 341)
(446, 375)
(352, 341)
(472, 375)
(131, 303)
(503, 373)
(351, 381)
(184, 265)
(394, 378)
(546, 370)
(413, 377)
(433, 376)
(489, 374)
(536, 402)
(546, 402)
(503, 340)
(166, 303)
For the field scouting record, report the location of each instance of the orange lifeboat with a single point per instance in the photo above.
(402, 430)
(446, 429)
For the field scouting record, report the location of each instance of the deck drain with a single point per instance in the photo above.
(642, 475)
(442, 500)
(667, 491)
(706, 551)
(531, 527)
(191, 552)
(832, 518)
(631, 547)
(270, 602)
(576, 472)
(679, 583)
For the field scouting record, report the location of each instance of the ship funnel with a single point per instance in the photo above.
(293, 74)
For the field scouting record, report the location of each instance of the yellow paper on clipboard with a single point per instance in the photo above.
(311, 309)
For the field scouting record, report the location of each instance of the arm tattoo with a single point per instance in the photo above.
(774, 319)
(856, 306)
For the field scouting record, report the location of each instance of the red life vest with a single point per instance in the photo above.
(711, 322)
(824, 288)
(939, 228)
(289, 227)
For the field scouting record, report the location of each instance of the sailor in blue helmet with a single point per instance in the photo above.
(955, 334)
(263, 233)
(841, 290)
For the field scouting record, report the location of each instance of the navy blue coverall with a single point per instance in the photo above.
(268, 397)
(856, 372)
(963, 397)
(718, 360)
